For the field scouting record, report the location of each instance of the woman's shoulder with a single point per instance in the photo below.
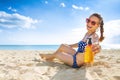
(95, 38)
(95, 35)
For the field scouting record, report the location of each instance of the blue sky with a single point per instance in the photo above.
(55, 21)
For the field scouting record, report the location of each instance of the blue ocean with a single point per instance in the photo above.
(28, 47)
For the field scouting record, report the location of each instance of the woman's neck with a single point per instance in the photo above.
(90, 32)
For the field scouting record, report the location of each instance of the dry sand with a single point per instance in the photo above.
(27, 65)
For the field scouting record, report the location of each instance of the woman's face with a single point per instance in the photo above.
(92, 23)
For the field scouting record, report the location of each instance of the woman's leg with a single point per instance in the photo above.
(62, 49)
(66, 58)
(66, 49)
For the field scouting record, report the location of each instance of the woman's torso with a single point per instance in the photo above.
(95, 40)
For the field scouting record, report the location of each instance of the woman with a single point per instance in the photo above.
(69, 55)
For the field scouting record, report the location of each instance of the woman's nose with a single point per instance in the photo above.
(89, 24)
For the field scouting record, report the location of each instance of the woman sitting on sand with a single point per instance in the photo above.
(69, 55)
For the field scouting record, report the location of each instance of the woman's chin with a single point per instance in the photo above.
(89, 30)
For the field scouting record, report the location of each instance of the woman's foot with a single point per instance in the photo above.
(48, 57)
(42, 56)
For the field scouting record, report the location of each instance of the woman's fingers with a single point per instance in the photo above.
(96, 48)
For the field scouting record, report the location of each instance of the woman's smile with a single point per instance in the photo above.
(88, 27)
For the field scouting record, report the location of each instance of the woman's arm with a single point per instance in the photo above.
(95, 47)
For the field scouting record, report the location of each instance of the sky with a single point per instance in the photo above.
(35, 22)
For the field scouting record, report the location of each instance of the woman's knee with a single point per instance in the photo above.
(62, 46)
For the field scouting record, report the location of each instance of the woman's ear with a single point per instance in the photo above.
(97, 29)
(98, 25)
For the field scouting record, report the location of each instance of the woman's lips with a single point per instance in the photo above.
(89, 27)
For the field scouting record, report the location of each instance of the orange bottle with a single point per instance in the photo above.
(88, 54)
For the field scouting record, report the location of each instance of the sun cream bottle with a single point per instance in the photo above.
(88, 54)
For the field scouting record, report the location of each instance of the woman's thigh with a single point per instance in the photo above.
(80, 59)
(66, 58)
(67, 49)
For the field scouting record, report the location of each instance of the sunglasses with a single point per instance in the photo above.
(92, 22)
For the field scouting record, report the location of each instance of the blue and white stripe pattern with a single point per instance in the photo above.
(81, 46)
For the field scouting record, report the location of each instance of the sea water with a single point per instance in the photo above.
(28, 47)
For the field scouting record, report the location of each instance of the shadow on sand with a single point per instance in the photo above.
(63, 72)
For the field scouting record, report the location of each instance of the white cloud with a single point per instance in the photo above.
(62, 5)
(87, 8)
(79, 31)
(12, 9)
(76, 7)
(75, 36)
(112, 34)
(16, 21)
(80, 7)
(46, 2)
(1, 30)
(112, 30)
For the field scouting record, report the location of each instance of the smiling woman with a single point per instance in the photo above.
(75, 58)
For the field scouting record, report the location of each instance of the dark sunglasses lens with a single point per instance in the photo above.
(93, 22)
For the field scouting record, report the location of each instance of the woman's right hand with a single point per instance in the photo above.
(96, 48)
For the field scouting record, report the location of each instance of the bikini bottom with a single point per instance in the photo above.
(75, 65)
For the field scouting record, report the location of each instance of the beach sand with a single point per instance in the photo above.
(27, 65)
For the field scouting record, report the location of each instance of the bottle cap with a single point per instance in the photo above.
(89, 41)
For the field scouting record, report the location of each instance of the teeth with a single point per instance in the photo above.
(89, 27)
